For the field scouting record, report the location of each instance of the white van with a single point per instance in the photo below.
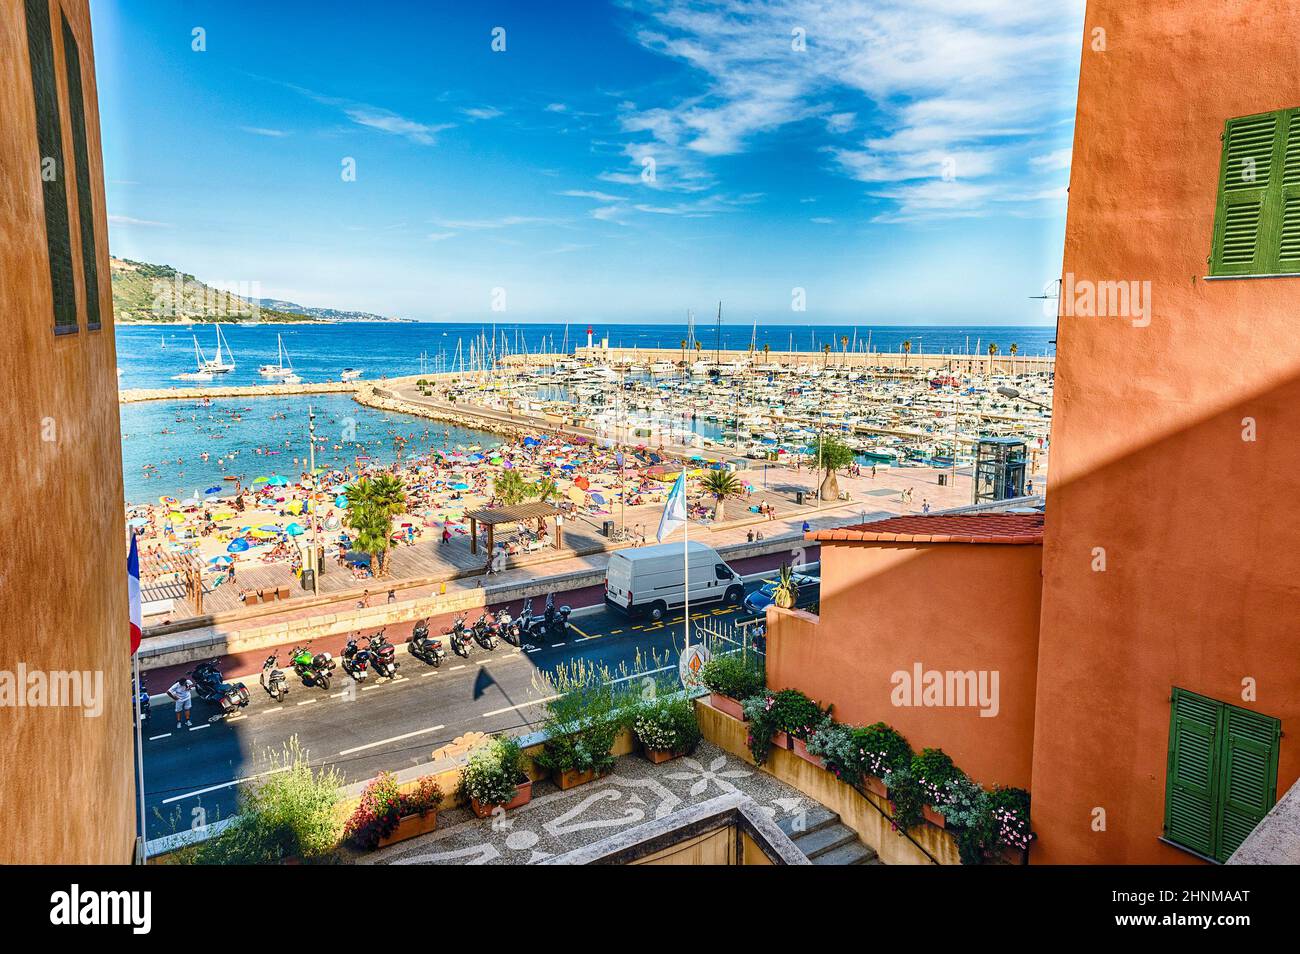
(649, 579)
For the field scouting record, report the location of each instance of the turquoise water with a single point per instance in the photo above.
(265, 436)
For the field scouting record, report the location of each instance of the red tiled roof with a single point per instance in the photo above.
(1013, 528)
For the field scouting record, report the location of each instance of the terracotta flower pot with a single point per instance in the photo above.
(523, 795)
(727, 705)
(932, 816)
(781, 740)
(659, 756)
(800, 748)
(574, 778)
(875, 786)
(409, 826)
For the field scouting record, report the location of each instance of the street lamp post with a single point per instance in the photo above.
(312, 514)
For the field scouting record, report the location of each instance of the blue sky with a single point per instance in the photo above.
(907, 165)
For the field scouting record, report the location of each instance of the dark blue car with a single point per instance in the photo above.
(758, 601)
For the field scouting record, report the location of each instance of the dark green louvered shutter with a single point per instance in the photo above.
(1190, 794)
(1288, 249)
(1245, 173)
(1248, 777)
(85, 198)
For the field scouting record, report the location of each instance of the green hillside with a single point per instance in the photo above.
(159, 293)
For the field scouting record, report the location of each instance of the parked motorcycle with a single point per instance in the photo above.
(507, 628)
(209, 686)
(356, 661)
(423, 648)
(383, 656)
(315, 669)
(484, 633)
(274, 681)
(459, 637)
(551, 626)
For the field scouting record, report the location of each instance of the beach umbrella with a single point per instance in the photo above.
(222, 560)
(341, 501)
(213, 490)
(167, 500)
(294, 530)
(582, 482)
(460, 486)
(237, 546)
(332, 524)
(259, 480)
(277, 480)
(568, 467)
(598, 498)
(530, 442)
(295, 506)
(223, 515)
(262, 534)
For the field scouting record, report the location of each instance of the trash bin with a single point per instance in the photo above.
(943, 480)
(607, 528)
(800, 496)
(308, 578)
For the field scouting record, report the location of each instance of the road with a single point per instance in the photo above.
(361, 729)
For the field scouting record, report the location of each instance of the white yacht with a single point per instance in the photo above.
(284, 367)
(220, 364)
(202, 371)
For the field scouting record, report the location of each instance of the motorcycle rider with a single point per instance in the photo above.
(180, 694)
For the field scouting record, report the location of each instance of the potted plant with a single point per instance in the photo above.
(730, 679)
(387, 815)
(782, 719)
(933, 770)
(786, 592)
(581, 725)
(1010, 808)
(881, 750)
(494, 777)
(666, 728)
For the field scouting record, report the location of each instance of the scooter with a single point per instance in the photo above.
(228, 697)
(274, 681)
(356, 661)
(485, 633)
(459, 637)
(508, 629)
(315, 669)
(383, 656)
(423, 648)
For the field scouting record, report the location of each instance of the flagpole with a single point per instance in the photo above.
(686, 566)
(139, 761)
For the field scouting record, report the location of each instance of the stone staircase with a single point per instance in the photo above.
(826, 840)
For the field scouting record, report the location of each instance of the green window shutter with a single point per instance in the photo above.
(85, 198)
(1288, 253)
(49, 160)
(1190, 793)
(1248, 783)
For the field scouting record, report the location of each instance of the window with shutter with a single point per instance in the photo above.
(81, 154)
(1222, 773)
(49, 143)
(1257, 219)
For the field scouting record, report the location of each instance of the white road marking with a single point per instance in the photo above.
(153, 738)
(306, 702)
(426, 675)
(396, 738)
(522, 705)
(213, 788)
(206, 725)
(454, 668)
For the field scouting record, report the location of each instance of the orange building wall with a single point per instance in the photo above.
(948, 606)
(1200, 530)
(66, 781)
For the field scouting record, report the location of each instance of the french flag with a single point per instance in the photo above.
(133, 594)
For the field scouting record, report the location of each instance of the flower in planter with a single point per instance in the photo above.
(666, 724)
(383, 805)
(494, 771)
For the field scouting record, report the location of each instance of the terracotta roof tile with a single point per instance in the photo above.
(999, 528)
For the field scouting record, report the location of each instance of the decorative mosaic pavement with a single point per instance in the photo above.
(555, 822)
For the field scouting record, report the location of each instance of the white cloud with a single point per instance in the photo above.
(1057, 159)
(502, 222)
(264, 131)
(591, 194)
(980, 82)
(387, 121)
(483, 112)
(440, 236)
(143, 223)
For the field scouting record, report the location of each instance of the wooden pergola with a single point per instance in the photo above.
(490, 517)
(162, 573)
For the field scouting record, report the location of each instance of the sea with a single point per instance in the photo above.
(163, 442)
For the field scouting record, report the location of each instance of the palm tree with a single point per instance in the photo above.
(844, 349)
(373, 502)
(826, 355)
(907, 349)
(786, 592)
(683, 352)
(993, 349)
(767, 352)
(510, 488)
(720, 484)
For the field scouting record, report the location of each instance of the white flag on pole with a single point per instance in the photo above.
(674, 515)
